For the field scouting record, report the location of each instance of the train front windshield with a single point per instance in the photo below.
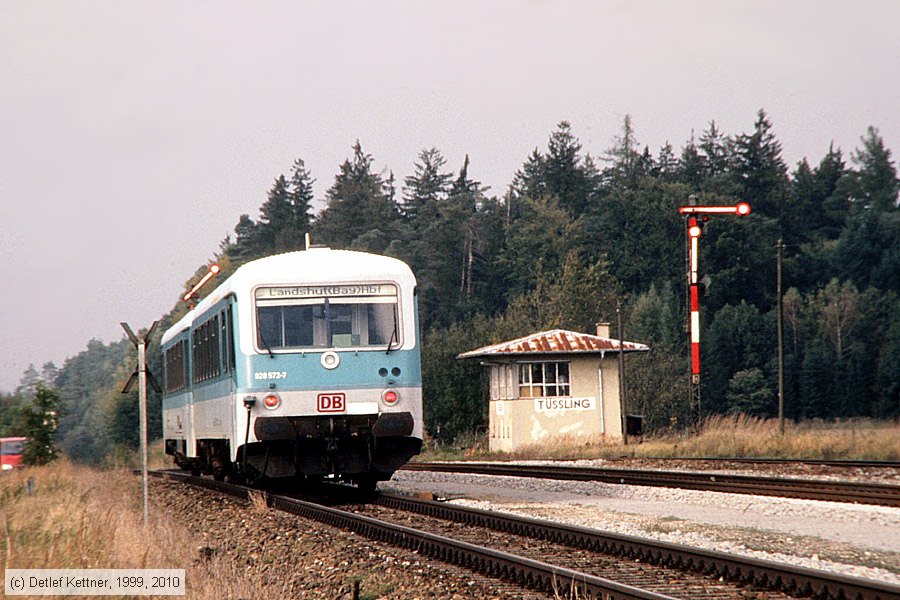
(338, 316)
(11, 448)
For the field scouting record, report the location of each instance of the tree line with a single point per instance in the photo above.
(572, 235)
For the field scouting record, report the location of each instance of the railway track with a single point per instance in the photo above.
(845, 463)
(808, 489)
(668, 570)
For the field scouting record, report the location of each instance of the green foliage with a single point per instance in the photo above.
(748, 393)
(453, 390)
(559, 248)
(875, 184)
(537, 242)
(630, 224)
(360, 214)
(40, 422)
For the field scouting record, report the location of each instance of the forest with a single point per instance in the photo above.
(572, 236)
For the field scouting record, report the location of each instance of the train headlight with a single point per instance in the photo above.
(271, 401)
(390, 397)
(7, 467)
(330, 360)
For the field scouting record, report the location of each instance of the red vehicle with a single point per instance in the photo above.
(11, 449)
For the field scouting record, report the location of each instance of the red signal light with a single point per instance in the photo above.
(743, 209)
(271, 401)
(695, 231)
(390, 397)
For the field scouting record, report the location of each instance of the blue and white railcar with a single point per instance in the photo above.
(299, 364)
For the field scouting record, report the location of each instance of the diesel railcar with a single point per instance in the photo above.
(304, 364)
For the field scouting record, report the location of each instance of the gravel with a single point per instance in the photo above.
(857, 540)
(260, 553)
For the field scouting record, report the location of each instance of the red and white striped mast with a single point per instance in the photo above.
(694, 231)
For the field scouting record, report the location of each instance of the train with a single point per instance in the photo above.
(11, 449)
(300, 365)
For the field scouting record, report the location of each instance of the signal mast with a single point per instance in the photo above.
(694, 231)
(190, 296)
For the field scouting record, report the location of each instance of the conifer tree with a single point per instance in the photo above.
(667, 166)
(41, 420)
(875, 182)
(528, 182)
(427, 187)
(760, 170)
(564, 172)
(359, 213)
(626, 161)
(691, 167)
(715, 149)
(829, 175)
(276, 216)
(300, 197)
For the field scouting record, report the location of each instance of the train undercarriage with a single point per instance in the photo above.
(361, 449)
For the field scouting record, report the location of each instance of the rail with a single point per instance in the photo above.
(809, 489)
(523, 571)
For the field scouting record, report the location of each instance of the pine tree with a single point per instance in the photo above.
(626, 161)
(760, 170)
(667, 165)
(248, 241)
(828, 175)
(29, 382)
(875, 181)
(427, 188)
(41, 421)
(715, 148)
(276, 216)
(691, 167)
(300, 197)
(531, 181)
(359, 213)
(564, 171)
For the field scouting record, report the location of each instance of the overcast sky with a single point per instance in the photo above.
(134, 134)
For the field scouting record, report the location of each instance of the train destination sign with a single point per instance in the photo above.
(325, 291)
(563, 403)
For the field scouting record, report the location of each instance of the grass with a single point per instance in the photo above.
(84, 518)
(737, 436)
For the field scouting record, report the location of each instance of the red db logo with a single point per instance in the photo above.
(332, 402)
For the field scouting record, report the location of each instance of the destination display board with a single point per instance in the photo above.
(325, 291)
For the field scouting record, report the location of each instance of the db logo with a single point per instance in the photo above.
(332, 402)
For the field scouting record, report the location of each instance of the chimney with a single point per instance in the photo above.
(603, 329)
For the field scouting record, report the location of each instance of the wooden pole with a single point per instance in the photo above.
(622, 404)
(780, 311)
(142, 395)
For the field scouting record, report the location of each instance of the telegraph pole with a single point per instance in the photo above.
(143, 375)
(622, 373)
(780, 311)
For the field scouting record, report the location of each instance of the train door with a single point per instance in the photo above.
(177, 422)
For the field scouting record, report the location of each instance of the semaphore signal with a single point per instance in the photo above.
(191, 295)
(694, 231)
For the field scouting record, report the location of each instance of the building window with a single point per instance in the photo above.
(503, 382)
(543, 379)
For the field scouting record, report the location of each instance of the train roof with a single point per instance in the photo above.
(315, 266)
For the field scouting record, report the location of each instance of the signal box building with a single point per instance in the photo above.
(554, 384)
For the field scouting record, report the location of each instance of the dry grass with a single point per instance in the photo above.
(727, 437)
(84, 518)
(259, 502)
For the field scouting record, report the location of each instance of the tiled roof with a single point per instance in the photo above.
(556, 341)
